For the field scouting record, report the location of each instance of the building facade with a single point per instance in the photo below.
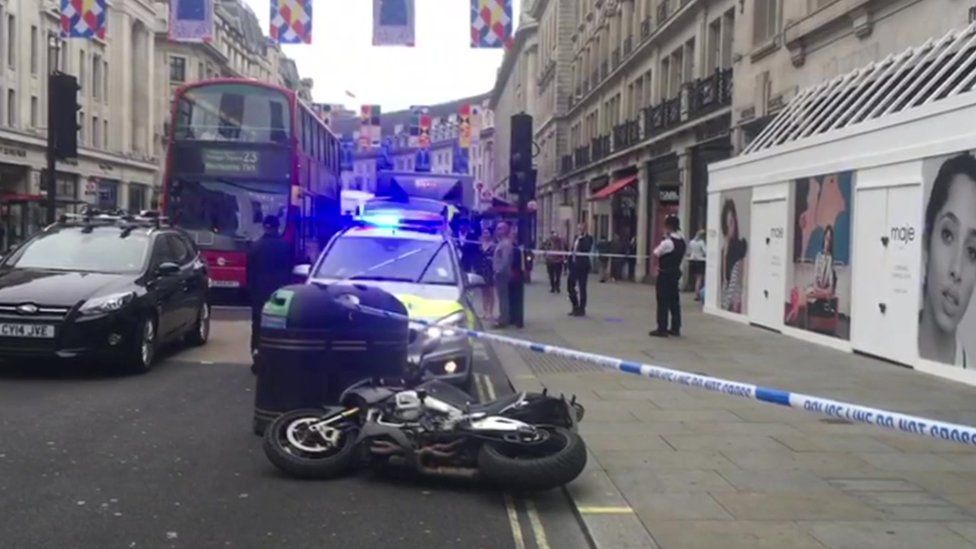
(116, 164)
(841, 221)
(649, 109)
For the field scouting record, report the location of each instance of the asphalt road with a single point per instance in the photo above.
(89, 460)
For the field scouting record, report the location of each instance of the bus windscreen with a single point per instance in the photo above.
(232, 113)
(231, 210)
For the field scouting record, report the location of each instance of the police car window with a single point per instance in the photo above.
(441, 268)
(377, 258)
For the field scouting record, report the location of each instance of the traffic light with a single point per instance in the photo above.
(63, 114)
(520, 159)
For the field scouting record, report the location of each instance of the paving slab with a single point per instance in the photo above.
(674, 466)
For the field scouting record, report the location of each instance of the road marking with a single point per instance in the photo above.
(489, 388)
(513, 522)
(479, 386)
(593, 510)
(537, 529)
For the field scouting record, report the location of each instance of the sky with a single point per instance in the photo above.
(441, 67)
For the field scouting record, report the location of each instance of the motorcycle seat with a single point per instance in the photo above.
(496, 406)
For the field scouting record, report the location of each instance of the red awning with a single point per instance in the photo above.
(611, 189)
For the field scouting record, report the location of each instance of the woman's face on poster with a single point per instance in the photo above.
(730, 228)
(951, 265)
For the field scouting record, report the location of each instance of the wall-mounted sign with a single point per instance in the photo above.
(16, 153)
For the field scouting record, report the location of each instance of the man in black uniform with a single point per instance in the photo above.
(579, 270)
(269, 266)
(669, 254)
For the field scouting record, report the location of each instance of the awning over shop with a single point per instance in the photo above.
(613, 188)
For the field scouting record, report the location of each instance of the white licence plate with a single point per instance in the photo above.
(36, 331)
(225, 284)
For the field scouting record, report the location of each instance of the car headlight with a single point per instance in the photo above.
(446, 326)
(107, 304)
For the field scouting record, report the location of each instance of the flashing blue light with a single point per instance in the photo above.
(387, 221)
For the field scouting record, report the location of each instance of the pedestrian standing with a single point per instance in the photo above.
(502, 268)
(579, 270)
(555, 258)
(270, 261)
(696, 261)
(486, 251)
(669, 254)
(516, 286)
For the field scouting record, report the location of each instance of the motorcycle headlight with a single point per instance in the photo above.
(107, 304)
(446, 326)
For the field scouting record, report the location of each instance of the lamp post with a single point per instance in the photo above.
(54, 43)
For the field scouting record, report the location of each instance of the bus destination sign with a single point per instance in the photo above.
(230, 162)
(265, 163)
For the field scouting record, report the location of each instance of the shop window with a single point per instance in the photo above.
(108, 195)
(138, 194)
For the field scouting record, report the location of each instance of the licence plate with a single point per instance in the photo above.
(225, 284)
(35, 331)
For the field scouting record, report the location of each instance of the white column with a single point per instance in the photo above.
(684, 179)
(643, 227)
(120, 94)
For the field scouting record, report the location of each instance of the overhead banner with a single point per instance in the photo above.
(423, 140)
(191, 20)
(291, 21)
(393, 23)
(491, 23)
(464, 126)
(84, 18)
(476, 124)
(369, 126)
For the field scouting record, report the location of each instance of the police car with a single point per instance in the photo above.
(410, 256)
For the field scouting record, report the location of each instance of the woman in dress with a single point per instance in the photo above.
(734, 251)
(487, 271)
(949, 246)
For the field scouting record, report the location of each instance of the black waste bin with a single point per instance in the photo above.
(313, 347)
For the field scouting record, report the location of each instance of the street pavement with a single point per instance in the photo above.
(167, 459)
(678, 467)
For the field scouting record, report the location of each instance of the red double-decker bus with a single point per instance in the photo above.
(240, 150)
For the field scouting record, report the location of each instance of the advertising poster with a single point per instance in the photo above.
(819, 298)
(734, 250)
(947, 317)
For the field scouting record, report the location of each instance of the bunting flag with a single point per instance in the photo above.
(491, 23)
(416, 112)
(423, 139)
(191, 20)
(475, 125)
(393, 23)
(369, 126)
(83, 18)
(291, 21)
(464, 126)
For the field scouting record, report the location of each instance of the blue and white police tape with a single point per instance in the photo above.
(915, 425)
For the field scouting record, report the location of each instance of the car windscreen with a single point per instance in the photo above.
(389, 259)
(229, 208)
(103, 250)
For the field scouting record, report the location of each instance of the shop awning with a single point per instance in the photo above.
(613, 188)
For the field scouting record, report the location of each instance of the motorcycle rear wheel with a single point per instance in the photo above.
(307, 455)
(557, 463)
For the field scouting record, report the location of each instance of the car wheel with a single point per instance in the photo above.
(200, 333)
(143, 350)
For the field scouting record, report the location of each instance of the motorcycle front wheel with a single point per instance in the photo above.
(302, 452)
(553, 462)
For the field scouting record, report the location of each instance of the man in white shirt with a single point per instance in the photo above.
(669, 254)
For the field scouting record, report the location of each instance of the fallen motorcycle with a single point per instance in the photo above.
(526, 441)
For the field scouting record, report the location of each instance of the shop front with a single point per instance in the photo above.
(860, 237)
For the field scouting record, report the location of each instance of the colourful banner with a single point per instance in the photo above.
(191, 20)
(84, 18)
(476, 124)
(464, 126)
(423, 140)
(491, 23)
(393, 23)
(291, 21)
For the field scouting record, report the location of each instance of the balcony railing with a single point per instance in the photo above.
(600, 147)
(581, 157)
(662, 13)
(615, 57)
(628, 45)
(711, 92)
(673, 111)
(645, 29)
(604, 69)
(594, 78)
(578, 93)
(626, 135)
(653, 119)
(566, 164)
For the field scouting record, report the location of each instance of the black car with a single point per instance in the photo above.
(110, 288)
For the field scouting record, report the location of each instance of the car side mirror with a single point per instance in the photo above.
(303, 270)
(167, 269)
(475, 280)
